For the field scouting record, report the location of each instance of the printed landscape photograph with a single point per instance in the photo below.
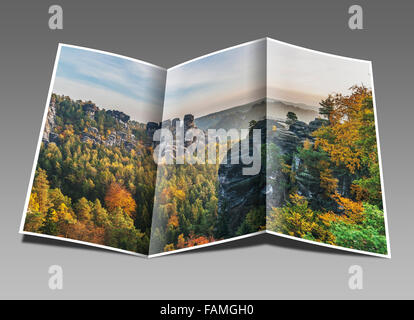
(94, 178)
(201, 203)
(323, 163)
(263, 137)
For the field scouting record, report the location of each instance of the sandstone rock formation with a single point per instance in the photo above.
(119, 115)
(50, 123)
(238, 194)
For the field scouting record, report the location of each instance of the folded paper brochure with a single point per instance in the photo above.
(261, 137)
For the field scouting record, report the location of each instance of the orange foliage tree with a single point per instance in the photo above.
(118, 197)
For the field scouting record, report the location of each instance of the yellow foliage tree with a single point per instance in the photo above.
(33, 203)
(180, 241)
(169, 247)
(354, 210)
(298, 220)
(341, 139)
(41, 188)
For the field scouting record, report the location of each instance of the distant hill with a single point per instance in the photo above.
(277, 110)
(236, 117)
(240, 116)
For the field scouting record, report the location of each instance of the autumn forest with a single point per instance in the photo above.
(96, 181)
(331, 182)
(95, 177)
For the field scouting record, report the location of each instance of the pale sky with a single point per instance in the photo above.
(111, 82)
(217, 82)
(238, 75)
(208, 84)
(303, 76)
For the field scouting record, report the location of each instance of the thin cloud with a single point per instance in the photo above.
(129, 86)
(108, 99)
(216, 82)
(302, 76)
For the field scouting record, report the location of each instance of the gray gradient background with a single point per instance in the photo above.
(167, 33)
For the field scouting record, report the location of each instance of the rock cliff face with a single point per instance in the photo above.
(283, 140)
(116, 138)
(119, 115)
(90, 109)
(239, 194)
(122, 137)
(48, 134)
(187, 123)
(150, 129)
